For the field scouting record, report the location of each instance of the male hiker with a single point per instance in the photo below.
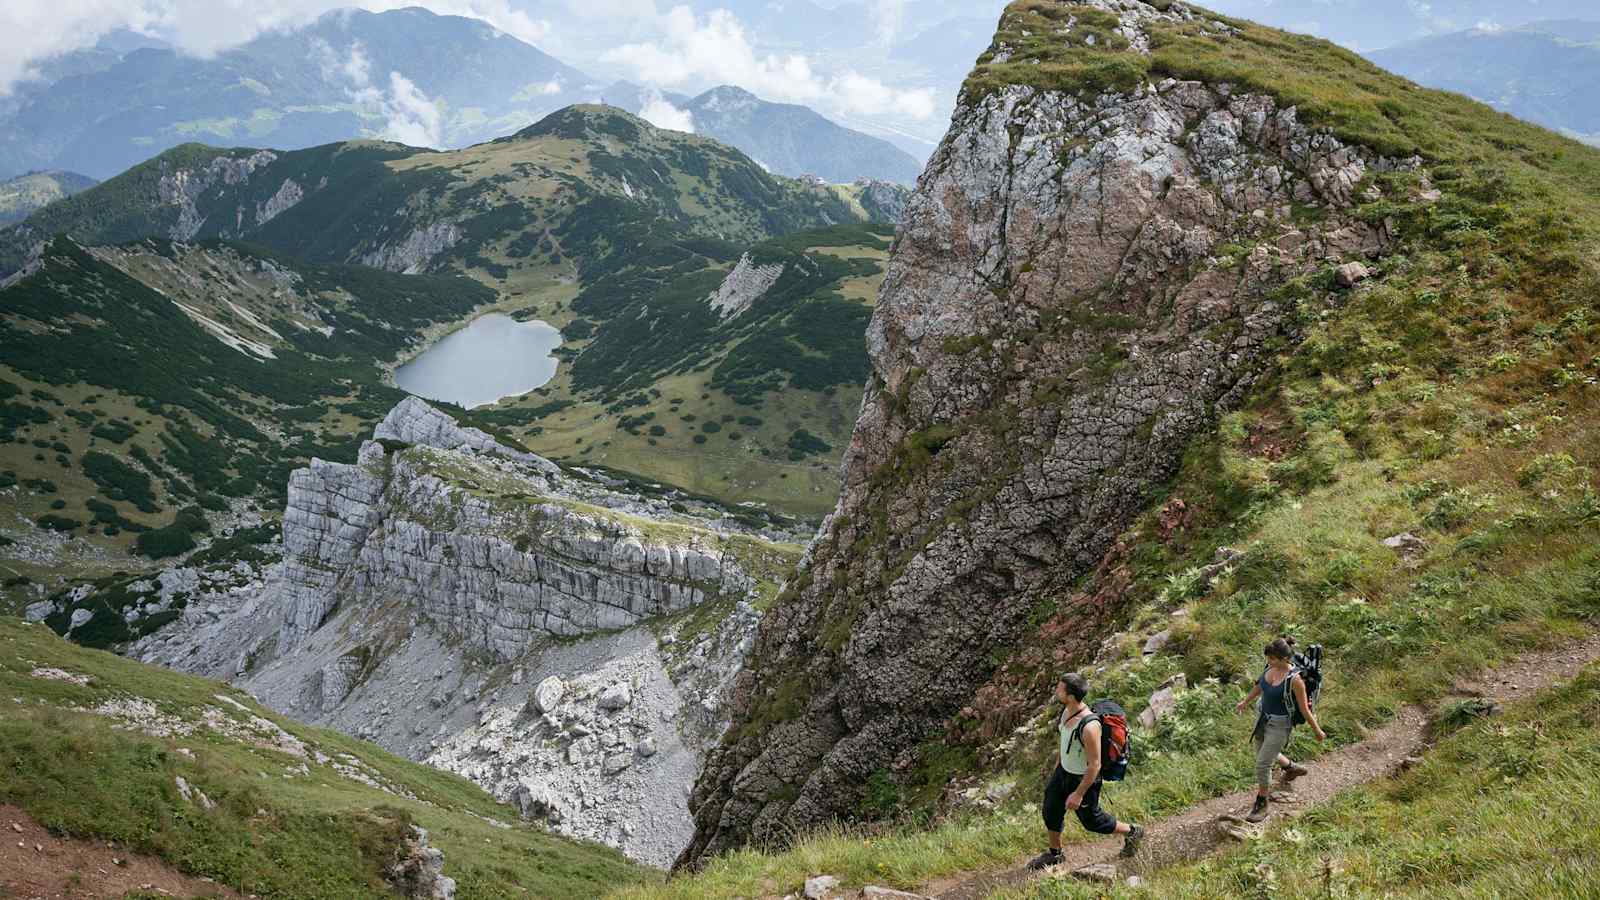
(1076, 783)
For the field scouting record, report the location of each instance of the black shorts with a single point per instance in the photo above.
(1090, 815)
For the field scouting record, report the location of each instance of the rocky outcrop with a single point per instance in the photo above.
(884, 201)
(289, 193)
(416, 251)
(1080, 286)
(182, 187)
(743, 287)
(413, 421)
(467, 603)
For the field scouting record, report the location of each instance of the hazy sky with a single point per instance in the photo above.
(766, 46)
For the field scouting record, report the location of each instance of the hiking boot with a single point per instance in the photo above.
(1045, 860)
(1293, 771)
(1130, 844)
(1258, 812)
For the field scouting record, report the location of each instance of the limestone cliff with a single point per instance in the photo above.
(426, 591)
(1084, 280)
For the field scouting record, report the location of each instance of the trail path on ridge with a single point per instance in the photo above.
(1194, 832)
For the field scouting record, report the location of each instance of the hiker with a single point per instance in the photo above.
(1279, 685)
(1076, 783)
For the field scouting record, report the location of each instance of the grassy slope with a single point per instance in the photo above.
(1504, 807)
(275, 832)
(1454, 398)
(654, 421)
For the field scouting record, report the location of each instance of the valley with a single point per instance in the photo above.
(638, 522)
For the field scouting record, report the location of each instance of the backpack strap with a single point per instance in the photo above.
(1077, 732)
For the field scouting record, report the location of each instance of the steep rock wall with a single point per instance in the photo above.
(1080, 287)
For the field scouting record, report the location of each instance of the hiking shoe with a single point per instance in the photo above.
(1293, 771)
(1045, 860)
(1258, 812)
(1130, 844)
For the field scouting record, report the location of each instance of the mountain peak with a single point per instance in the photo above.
(587, 120)
(726, 97)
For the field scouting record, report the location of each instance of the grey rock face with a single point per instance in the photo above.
(289, 194)
(416, 251)
(182, 187)
(743, 287)
(413, 421)
(1059, 320)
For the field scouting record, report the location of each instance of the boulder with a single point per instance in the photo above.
(1351, 274)
(547, 695)
(647, 747)
(537, 803)
(1163, 702)
(616, 697)
(1103, 873)
(80, 617)
(820, 886)
(1157, 642)
(38, 612)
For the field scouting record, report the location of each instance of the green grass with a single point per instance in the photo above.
(275, 832)
(1505, 807)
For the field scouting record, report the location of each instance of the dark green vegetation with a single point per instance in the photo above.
(655, 319)
(123, 336)
(293, 834)
(663, 384)
(565, 190)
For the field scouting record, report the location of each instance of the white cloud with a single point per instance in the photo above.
(714, 49)
(411, 117)
(660, 112)
(408, 115)
(202, 27)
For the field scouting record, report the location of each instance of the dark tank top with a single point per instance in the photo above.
(1275, 697)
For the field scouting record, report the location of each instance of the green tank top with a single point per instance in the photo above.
(1072, 758)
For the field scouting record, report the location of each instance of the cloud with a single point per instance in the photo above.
(408, 115)
(411, 117)
(202, 27)
(658, 111)
(714, 49)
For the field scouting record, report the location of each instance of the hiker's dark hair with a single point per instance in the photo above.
(1280, 648)
(1077, 685)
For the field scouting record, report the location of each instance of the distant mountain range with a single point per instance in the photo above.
(787, 138)
(1368, 25)
(20, 196)
(406, 75)
(1545, 72)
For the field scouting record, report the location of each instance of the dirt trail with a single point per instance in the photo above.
(1194, 832)
(36, 865)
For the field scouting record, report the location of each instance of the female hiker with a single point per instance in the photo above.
(1277, 687)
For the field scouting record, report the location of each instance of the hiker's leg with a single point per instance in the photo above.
(1285, 761)
(1055, 806)
(1093, 818)
(1273, 739)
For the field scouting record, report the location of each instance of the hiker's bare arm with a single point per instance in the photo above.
(1091, 760)
(1305, 708)
(1249, 699)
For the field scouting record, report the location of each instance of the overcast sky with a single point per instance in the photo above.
(688, 47)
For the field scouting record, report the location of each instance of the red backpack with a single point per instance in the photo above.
(1114, 746)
